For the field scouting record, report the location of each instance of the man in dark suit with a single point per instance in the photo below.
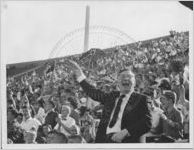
(126, 115)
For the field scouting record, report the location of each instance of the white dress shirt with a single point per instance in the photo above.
(117, 126)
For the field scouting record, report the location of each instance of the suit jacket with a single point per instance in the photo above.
(136, 116)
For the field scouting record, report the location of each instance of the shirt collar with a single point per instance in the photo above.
(67, 118)
(127, 96)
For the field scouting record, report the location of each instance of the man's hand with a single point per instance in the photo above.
(118, 137)
(75, 68)
(59, 121)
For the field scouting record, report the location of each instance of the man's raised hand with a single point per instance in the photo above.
(72, 65)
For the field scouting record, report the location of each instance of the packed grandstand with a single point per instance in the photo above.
(159, 64)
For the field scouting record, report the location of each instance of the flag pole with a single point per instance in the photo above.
(86, 34)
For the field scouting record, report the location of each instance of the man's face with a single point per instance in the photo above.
(125, 82)
(64, 112)
(46, 130)
(48, 106)
(29, 137)
(35, 105)
(164, 101)
(63, 96)
(19, 119)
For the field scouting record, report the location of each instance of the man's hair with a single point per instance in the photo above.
(68, 107)
(164, 84)
(59, 134)
(170, 95)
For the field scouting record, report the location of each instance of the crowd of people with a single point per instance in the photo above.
(48, 105)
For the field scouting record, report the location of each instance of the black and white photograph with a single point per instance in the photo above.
(96, 74)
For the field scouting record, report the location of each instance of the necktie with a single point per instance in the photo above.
(116, 112)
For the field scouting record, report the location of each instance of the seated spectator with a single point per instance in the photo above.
(25, 102)
(88, 130)
(39, 109)
(164, 84)
(155, 130)
(46, 129)
(51, 115)
(14, 133)
(19, 119)
(55, 137)
(28, 122)
(66, 124)
(30, 136)
(65, 94)
(74, 112)
(40, 139)
(172, 118)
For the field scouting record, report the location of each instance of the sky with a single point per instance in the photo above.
(31, 29)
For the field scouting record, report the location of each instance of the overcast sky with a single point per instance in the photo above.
(31, 29)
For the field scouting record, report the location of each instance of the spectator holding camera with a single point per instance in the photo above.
(66, 124)
(172, 118)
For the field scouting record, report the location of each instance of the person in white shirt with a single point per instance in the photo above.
(40, 112)
(66, 124)
(28, 122)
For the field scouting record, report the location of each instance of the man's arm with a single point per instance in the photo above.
(97, 94)
(90, 90)
(177, 123)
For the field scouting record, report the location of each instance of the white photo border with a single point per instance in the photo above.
(3, 106)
